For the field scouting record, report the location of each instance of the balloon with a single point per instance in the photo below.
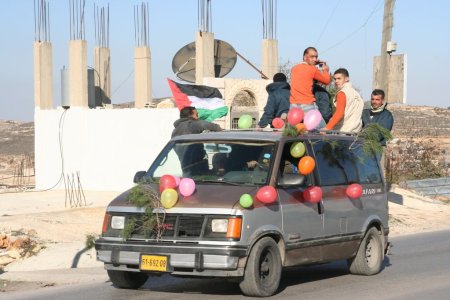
(267, 194)
(167, 182)
(186, 187)
(295, 116)
(354, 191)
(298, 149)
(246, 201)
(306, 165)
(278, 123)
(312, 194)
(245, 121)
(300, 127)
(177, 180)
(169, 198)
(312, 119)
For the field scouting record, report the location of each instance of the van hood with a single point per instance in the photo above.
(209, 195)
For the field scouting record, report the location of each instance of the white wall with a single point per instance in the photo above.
(106, 146)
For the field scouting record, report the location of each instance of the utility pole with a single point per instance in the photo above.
(388, 23)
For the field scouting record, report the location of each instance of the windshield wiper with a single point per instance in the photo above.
(220, 180)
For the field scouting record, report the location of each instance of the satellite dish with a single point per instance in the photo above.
(183, 63)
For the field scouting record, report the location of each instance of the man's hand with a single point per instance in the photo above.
(252, 164)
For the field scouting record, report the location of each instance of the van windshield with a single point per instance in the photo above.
(213, 161)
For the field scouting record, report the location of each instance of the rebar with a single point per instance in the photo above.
(41, 21)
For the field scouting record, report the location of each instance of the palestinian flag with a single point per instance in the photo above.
(207, 100)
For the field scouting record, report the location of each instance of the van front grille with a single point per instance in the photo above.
(170, 226)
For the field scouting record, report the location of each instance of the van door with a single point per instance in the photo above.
(335, 170)
(302, 221)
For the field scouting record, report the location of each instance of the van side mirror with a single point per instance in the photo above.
(138, 176)
(291, 179)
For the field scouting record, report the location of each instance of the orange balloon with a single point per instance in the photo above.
(306, 165)
(300, 127)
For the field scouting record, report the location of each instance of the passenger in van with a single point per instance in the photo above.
(349, 105)
(322, 100)
(278, 102)
(189, 123)
(302, 77)
(378, 113)
(219, 163)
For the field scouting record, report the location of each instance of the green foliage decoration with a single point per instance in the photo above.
(143, 196)
(372, 136)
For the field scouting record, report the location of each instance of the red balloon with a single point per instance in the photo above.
(277, 123)
(295, 116)
(167, 182)
(354, 191)
(267, 194)
(306, 165)
(312, 194)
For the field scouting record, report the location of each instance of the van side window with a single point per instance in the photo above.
(335, 162)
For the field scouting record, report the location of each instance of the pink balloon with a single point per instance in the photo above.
(277, 123)
(186, 187)
(177, 180)
(167, 182)
(312, 119)
(295, 116)
(267, 194)
(312, 194)
(354, 191)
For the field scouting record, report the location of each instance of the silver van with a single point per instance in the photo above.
(211, 233)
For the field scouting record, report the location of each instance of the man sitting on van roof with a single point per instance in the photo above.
(189, 123)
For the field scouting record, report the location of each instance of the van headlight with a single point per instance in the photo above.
(219, 225)
(117, 222)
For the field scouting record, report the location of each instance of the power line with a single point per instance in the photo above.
(354, 32)
(328, 21)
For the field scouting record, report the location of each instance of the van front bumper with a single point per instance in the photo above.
(184, 258)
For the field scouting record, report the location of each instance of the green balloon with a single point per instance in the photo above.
(245, 121)
(246, 201)
(298, 149)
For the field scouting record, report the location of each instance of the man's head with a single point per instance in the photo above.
(189, 112)
(377, 98)
(310, 56)
(341, 76)
(279, 77)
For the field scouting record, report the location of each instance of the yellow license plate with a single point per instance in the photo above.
(154, 263)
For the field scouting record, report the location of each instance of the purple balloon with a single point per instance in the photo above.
(312, 119)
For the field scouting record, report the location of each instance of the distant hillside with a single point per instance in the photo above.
(16, 138)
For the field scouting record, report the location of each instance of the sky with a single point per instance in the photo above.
(347, 33)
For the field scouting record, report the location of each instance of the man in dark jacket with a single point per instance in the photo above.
(189, 123)
(378, 113)
(278, 102)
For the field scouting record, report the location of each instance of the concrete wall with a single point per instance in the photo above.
(105, 146)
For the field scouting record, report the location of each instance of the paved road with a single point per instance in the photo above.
(417, 268)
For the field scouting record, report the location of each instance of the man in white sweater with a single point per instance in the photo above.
(349, 105)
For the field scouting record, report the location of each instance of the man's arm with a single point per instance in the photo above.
(205, 125)
(341, 101)
(324, 75)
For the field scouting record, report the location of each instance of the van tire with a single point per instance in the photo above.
(370, 256)
(263, 271)
(127, 280)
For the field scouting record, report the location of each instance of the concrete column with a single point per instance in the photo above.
(142, 77)
(102, 75)
(43, 75)
(204, 56)
(270, 58)
(78, 87)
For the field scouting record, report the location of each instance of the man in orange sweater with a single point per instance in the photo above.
(302, 77)
(349, 105)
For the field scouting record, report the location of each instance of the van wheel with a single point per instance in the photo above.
(263, 271)
(370, 255)
(127, 280)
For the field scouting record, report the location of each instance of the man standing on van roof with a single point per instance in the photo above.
(189, 123)
(278, 102)
(302, 77)
(378, 113)
(349, 105)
